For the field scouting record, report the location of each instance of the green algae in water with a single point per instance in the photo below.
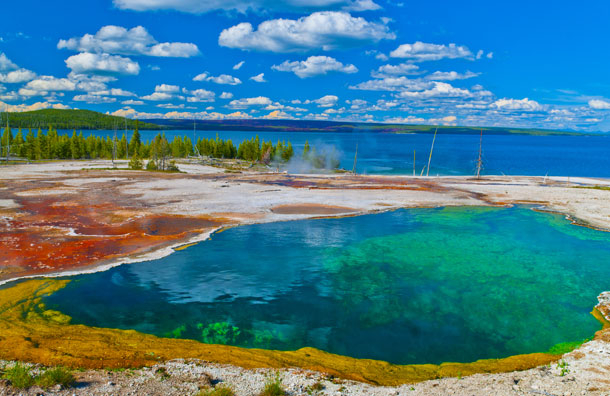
(411, 286)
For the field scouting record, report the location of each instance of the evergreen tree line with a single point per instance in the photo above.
(71, 119)
(51, 145)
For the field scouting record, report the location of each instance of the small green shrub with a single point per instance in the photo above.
(273, 387)
(315, 389)
(221, 390)
(163, 373)
(20, 376)
(56, 376)
(172, 167)
(564, 366)
(151, 165)
(135, 163)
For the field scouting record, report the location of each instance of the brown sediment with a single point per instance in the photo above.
(311, 209)
(30, 332)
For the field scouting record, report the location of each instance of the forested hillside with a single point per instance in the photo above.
(70, 119)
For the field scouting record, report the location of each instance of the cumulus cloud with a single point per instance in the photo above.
(247, 102)
(420, 52)
(164, 92)
(119, 40)
(17, 76)
(276, 115)
(438, 89)
(260, 78)
(89, 63)
(239, 65)
(32, 107)
(224, 79)
(201, 95)
(132, 102)
(204, 115)
(451, 76)
(44, 84)
(524, 104)
(158, 96)
(167, 88)
(113, 92)
(599, 104)
(392, 84)
(403, 69)
(315, 66)
(6, 64)
(93, 99)
(226, 95)
(201, 7)
(326, 101)
(327, 30)
(405, 120)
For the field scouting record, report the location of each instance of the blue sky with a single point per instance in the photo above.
(522, 63)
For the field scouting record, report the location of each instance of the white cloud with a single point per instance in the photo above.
(93, 99)
(420, 52)
(393, 84)
(201, 7)
(44, 84)
(260, 78)
(201, 95)
(226, 95)
(246, 102)
(276, 115)
(17, 76)
(136, 41)
(517, 104)
(599, 104)
(448, 120)
(439, 89)
(32, 107)
(451, 76)
(132, 102)
(405, 120)
(239, 65)
(102, 64)
(164, 92)
(158, 96)
(326, 30)
(403, 69)
(315, 66)
(171, 106)
(167, 88)
(113, 92)
(6, 64)
(204, 115)
(224, 79)
(326, 101)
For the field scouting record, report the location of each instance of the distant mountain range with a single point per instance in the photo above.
(334, 126)
(87, 119)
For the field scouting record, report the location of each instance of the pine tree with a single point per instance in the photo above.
(135, 143)
(306, 150)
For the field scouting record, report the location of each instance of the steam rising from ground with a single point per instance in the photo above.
(322, 158)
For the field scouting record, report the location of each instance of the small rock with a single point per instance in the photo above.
(515, 388)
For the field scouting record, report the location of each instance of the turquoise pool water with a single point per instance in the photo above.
(410, 286)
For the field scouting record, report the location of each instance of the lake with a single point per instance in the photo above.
(389, 153)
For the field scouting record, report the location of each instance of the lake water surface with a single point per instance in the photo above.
(454, 154)
(409, 286)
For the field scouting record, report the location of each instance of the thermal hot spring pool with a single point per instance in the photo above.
(409, 286)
